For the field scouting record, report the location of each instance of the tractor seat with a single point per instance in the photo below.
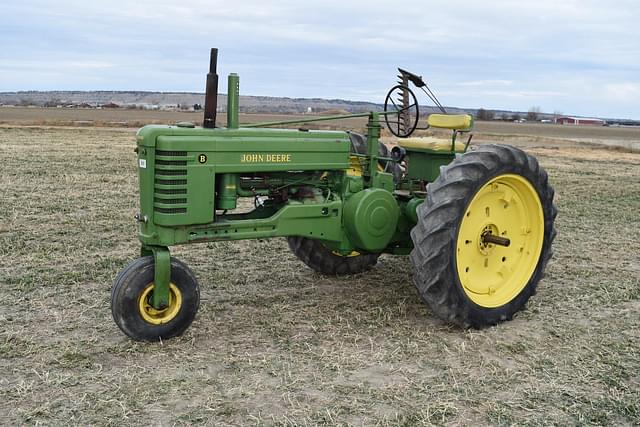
(430, 143)
(459, 122)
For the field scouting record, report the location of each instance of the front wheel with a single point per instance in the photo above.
(484, 236)
(131, 301)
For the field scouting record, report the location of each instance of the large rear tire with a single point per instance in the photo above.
(497, 193)
(323, 260)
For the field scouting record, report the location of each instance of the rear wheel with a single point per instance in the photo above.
(323, 260)
(484, 236)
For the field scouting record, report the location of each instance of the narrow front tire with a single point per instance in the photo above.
(131, 298)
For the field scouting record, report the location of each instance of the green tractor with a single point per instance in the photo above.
(477, 224)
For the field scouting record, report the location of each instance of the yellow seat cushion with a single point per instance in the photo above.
(451, 121)
(430, 143)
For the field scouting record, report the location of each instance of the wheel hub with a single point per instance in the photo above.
(159, 316)
(485, 247)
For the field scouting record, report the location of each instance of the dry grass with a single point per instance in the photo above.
(275, 343)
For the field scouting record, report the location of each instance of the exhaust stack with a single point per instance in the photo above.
(211, 92)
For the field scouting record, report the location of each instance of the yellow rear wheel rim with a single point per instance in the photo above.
(159, 317)
(349, 255)
(355, 166)
(492, 275)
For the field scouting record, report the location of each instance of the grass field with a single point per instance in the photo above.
(276, 343)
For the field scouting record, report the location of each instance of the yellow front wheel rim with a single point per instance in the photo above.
(509, 207)
(159, 317)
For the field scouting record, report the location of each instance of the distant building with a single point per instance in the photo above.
(170, 107)
(580, 121)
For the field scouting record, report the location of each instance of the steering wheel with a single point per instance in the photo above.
(401, 104)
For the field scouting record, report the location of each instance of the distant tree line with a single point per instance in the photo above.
(483, 114)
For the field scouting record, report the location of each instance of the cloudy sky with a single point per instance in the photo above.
(573, 56)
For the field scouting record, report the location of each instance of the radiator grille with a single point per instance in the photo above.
(171, 210)
(171, 191)
(170, 182)
(170, 201)
(171, 153)
(170, 172)
(171, 162)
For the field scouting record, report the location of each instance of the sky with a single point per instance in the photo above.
(579, 57)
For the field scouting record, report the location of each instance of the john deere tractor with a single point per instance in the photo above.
(477, 223)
